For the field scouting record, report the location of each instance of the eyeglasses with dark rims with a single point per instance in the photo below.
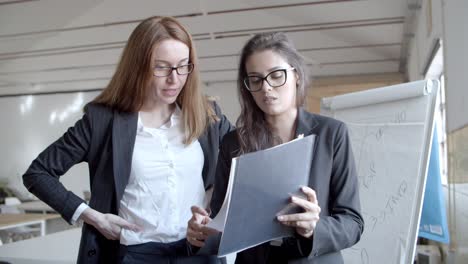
(164, 71)
(276, 78)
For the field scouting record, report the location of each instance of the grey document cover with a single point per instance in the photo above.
(260, 186)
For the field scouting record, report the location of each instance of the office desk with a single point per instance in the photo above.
(35, 207)
(58, 248)
(8, 221)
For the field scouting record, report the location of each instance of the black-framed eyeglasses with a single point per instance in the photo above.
(160, 71)
(276, 78)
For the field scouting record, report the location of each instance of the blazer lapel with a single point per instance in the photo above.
(306, 122)
(123, 141)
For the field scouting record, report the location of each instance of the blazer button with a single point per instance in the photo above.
(92, 252)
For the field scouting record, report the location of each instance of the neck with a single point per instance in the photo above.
(155, 115)
(284, 125)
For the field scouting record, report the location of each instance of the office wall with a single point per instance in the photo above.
(225, 93)
(336, 85)
(456, 62)
(29, 125)
(455, 39)
(428, 30)
(447, 20)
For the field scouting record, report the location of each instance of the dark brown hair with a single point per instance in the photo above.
(252, 129)
(131, 82)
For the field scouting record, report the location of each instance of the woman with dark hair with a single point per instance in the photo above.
(151, 142)
(272, 85)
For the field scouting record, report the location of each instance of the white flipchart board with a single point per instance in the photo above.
(390, 129)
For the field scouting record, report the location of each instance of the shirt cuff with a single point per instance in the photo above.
(78, 212)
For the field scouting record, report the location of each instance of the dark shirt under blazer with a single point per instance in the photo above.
(104, 138)
(333, 177)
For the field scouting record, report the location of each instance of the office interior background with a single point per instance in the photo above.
(57, 55)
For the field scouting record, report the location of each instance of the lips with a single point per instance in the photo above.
(269, 99)
(170, 92)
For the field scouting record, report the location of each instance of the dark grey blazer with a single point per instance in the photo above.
(333, 177)
(104, 138)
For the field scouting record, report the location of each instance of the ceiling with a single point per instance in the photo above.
(67, 45)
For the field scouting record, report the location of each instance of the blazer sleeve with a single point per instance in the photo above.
(219, 190)
(344, 226)
(42, 176)
(224, 127)
(223, 168)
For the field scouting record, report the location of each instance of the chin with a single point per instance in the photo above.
(168, 101)
(268, 110)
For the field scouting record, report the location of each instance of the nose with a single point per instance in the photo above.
(266, 86)
(172, 77)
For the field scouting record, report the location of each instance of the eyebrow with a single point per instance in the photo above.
(182, 60)
(270, 70)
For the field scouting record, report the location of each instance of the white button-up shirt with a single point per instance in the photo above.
(165, 181)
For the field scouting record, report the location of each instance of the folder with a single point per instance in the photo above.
(260, 186)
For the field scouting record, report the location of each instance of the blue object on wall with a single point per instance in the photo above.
(433, 223)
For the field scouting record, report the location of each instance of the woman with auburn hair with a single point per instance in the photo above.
(272, 81)
(151, 142)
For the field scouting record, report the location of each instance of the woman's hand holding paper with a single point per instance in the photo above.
(306, 221)
(197, 231)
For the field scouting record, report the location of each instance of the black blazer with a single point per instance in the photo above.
(104, 138)
(333, 177)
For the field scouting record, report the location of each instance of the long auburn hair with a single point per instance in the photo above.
(131, 83)
(253, 131)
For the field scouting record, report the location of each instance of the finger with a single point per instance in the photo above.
(209, 231)
(195, 242)
(205, 220)
(132, 227)
(308, 216)
(304, 232)
(106, 234)
(199, 210)
(200, 231)
(289, 223)
(195, 224)
(306, 205)
(113, 232)
(310, 193)
(122, 223)
(208, 211)
(305, 226)
(197, 235)
(109, 237)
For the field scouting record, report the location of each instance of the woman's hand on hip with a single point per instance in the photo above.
(306, 221)
(109, 225)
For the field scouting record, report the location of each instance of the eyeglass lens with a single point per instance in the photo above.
(274, 79)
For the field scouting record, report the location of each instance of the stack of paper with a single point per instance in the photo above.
(259, 188)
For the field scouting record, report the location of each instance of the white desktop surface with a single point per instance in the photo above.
(8, 221)
(57, 248)
(35, 206)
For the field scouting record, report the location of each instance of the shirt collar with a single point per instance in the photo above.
(174, 119)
